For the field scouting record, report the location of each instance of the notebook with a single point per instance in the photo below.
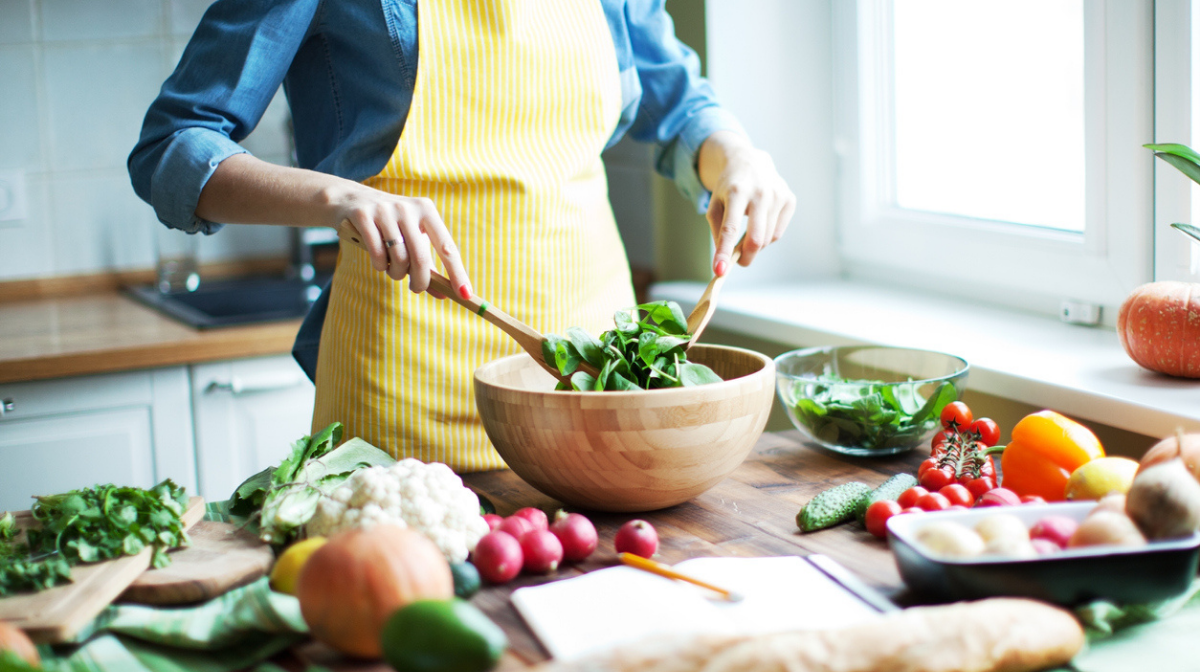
(608, 607)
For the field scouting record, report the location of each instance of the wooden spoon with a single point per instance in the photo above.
(703, 312)
(527, 337)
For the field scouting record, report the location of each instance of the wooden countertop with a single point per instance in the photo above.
(751, 513)
(102, 333)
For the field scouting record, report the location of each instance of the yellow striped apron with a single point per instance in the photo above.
(513, 103)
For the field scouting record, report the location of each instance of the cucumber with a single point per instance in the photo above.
(891, 489)
(832, 506)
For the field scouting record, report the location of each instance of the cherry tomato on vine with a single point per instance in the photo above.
(958, 494)
(939, 441)
(978, 486)
(956, 415)
(934, 501)
(936, 479)
(987, 429)
(908, 498)
(928, 464)
(878, 514)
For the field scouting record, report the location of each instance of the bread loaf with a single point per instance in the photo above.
(994, 635)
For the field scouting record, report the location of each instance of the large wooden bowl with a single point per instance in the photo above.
(626, 451)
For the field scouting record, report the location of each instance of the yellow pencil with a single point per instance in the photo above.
(660, 569)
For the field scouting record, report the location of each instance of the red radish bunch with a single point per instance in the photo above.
(576, 533)
(498, 557)
(543, 551)
(525, 541)
(637, 537)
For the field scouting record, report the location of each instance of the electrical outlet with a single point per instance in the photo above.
(13, 202)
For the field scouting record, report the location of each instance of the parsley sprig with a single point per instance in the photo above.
(90, 525)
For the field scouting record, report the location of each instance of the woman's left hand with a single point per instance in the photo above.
(744, 183)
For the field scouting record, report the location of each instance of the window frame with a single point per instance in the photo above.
(1021, 266)
(1173, 191)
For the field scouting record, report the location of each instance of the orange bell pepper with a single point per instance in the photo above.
(1045, 448)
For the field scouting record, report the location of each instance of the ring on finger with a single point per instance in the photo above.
(390, 243)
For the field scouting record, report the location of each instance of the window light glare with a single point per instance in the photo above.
(988, 105)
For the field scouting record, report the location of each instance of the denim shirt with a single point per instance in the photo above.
(348, 68)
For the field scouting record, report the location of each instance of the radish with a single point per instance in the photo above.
(498, 557)
(1055, 529)
(543, 551)
(999, 497)
(536, 517)
(576, 533)
(1044, 546)
(637, 537)
(516, 526)
(493, 521)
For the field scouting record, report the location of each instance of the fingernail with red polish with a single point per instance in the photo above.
(464, 291)
(722, 266)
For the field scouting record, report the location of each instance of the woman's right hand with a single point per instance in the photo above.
(397, 230)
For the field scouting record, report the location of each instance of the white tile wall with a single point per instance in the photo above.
(76, 77)
(20, 132)
(16, 21)
(100, 223)
(64, 20)
(97, 95)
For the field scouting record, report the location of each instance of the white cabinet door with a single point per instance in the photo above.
(247, 413)
(54, 454)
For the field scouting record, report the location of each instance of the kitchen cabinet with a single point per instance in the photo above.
(130, 428)
(247, 412)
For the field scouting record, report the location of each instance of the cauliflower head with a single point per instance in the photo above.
(429, 498)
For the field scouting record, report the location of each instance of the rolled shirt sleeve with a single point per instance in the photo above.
(678, 110)
(225, 79)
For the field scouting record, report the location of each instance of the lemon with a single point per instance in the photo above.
(287, 568)
(1101, 476)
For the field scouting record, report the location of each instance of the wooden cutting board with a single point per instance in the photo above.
(57, 614)
(220, 558)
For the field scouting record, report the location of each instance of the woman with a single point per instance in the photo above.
(486, 149)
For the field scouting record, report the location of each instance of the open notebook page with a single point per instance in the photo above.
(612, 606)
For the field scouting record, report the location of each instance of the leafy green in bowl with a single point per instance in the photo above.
(868, 400)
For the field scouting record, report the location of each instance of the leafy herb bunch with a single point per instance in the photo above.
(90, 525)
(644, 352)
(281, 500)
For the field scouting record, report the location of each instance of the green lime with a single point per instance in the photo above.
(442, 636)
(466, 579)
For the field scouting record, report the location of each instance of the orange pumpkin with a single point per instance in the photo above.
(13, 639)
(1170, 448)
(350, 586)
(1159, 326)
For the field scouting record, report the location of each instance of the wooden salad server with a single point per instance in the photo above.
(707, 305)
(527, 337)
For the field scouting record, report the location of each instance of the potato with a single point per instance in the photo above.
(953, 540)
(1107, 527)
(1000, 527)
(1164, 501)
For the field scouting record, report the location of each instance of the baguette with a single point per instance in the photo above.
(993, 635)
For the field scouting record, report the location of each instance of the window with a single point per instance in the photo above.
(994, 148)
(1177, 119)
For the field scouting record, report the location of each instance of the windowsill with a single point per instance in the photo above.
(1079, 371)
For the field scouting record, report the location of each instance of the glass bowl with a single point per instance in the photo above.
(867, 399)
